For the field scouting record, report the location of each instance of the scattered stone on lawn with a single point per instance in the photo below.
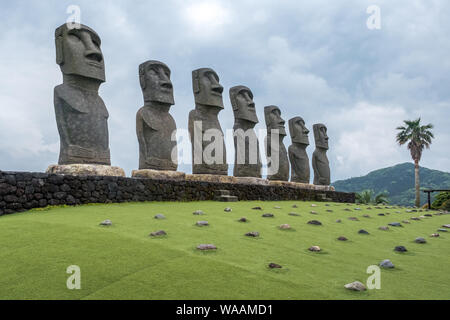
(314, 205)
(202, 223)
(422, 217)
(295, 206)
(362, 231)
(338, 221)
(420, 240)
(353, 219)
(243, 219)
(428, 215)
(378, 208)
(369, 208)
(199, 213)
(384, 228)
(442, 230)
(294, 214)
(315, 222)
(160, 217)
(315, 249)
(277, 207)
(268, 215)
(257, 208)
(313, 212)
(415, 219)
(106, 223)
(446, 226)
(400, 249)
(435, 235)
(397, 211)
(207, 247)
(327, 204)
(358, 209)
(406, 222)
(274, 266)
(285, 227)
(329, 210)
(381, 214)
(387, 264)
(158, 233)
(342, 238)
(253, 234)
(355, 286)
(366, 216)
(228, 210)
(347, 209)
(395, 224)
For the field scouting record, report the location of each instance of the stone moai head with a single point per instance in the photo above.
(207, 89)
(241, 99)
(274, 120)
(154, 77)
(320, 136)
(299, 132)
(78, 52)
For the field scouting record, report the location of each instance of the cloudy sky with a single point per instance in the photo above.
(315, 59)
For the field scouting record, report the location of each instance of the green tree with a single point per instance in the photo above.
(368, 196)
(417, 137)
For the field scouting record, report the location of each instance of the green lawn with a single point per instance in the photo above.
(123, 262)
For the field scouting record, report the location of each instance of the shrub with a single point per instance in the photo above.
(440, 199)
(446, 205)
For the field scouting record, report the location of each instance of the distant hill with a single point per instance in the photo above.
(398, 181)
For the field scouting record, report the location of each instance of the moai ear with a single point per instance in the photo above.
(59, 50)
(142, 78)
(195, 81)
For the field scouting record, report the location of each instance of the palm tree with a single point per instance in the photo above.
(418, 137)
(368, 196)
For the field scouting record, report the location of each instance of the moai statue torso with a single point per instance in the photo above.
(320, 161)
(204, 120)
(155, 127)
(81, 115)
(247, 161)
(300, 170)
(275, 150)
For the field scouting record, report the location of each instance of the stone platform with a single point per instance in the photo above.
(159, 175)
(86, 170)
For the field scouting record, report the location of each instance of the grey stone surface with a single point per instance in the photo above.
(400, 249)
(420, 240)
(274, 266)
(81, 115)
(198, 213)
(160, 217)
(206, 247)
(154, 124)
(300, 169)
(315, 223)
(228, 210)
(202, 223)
(342, 238)
(247, 160)
(315, 249)
(355, 286)
(208, 104)
(268, 215)
(275, 122)
(387, 264)
(253, 234)
(158, 233)
(395, 224)
(384, 228)
(320, 163)
(285, 227)
(106, 223)
(362, 231)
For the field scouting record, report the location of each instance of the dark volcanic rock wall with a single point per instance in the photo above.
(20, 191)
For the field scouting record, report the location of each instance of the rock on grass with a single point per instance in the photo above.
(204, 247)
(355, 286)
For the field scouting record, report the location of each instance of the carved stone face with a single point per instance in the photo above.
(298, 130)
(78, 52)
(274, 120)
(155, 82)
(207, 89)
(243, 106)
(320, 135)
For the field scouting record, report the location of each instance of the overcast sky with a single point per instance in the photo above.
(315, 59)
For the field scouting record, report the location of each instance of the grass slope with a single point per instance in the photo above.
(123, 262)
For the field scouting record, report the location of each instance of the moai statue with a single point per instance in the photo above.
(278, 163)
(154, 125)
(320, 161)
(81, 114)
(208, 145)
(247, 161)
(300, 171)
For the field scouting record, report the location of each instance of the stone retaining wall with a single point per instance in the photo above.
(21, 191)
